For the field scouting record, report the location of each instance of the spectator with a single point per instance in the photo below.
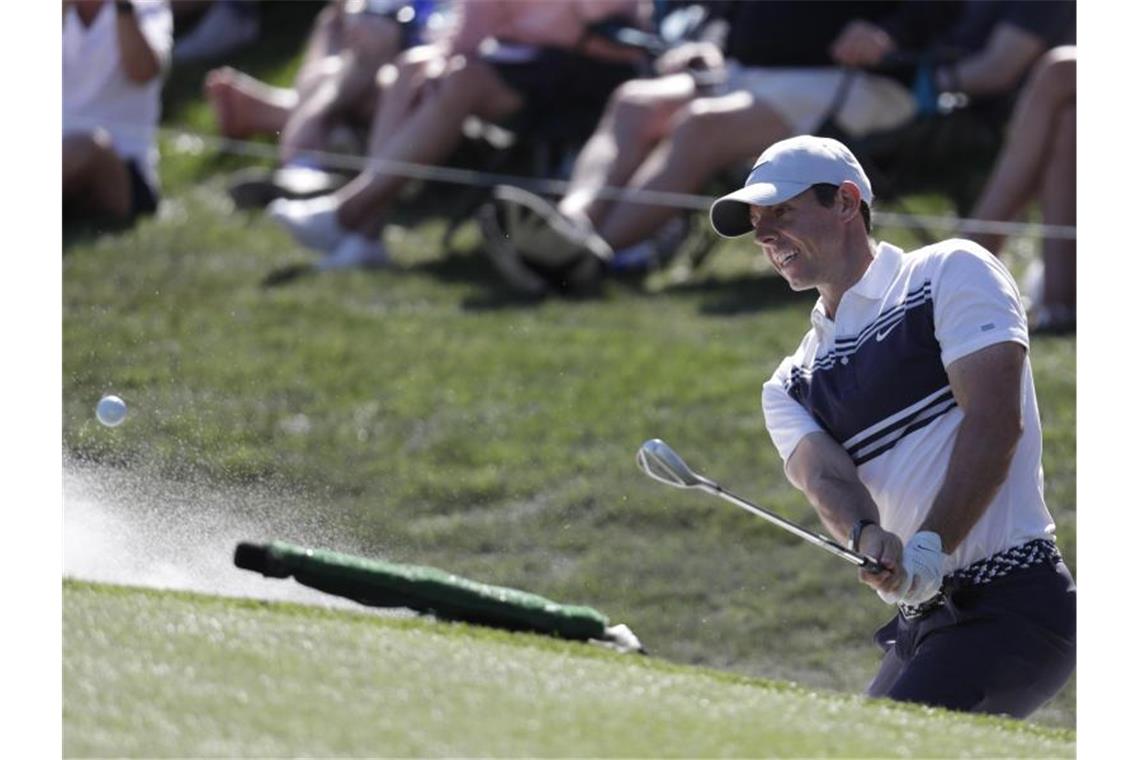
(500, 56)
(1039, 161)
(789, 68)
(713, 103)
(114, 56)
(335, 86)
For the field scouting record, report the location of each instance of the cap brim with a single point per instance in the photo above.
(730, 214)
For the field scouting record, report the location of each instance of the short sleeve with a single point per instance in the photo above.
(976, 303)
(788, 422)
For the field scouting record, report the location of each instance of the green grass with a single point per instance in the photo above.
(208, 677)
(425, 415)
(435, 420)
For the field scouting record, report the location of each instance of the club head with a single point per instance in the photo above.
(663, 464)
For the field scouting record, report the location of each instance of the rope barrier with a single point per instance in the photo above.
(195, 142)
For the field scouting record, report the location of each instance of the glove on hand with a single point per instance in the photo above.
(923, 558)
(922, 570)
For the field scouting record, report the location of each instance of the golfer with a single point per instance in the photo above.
(908, 417)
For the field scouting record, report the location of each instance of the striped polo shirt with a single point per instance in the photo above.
(874, 379)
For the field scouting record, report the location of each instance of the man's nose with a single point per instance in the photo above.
(763, 233)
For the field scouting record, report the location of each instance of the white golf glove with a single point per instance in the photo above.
(922, 563)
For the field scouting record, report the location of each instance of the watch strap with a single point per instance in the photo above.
(857, 533)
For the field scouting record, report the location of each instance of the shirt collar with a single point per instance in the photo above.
(872, 285)
(880, 274)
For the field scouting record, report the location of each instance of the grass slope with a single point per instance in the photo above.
(425, 415)
(160, 674)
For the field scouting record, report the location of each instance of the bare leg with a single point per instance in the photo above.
(428, 135)
(401, 86)
(370, 41)
(244, 106)
(94, 177)
(707, 135)
(1059, 206)
(637, 117)
(1017, 174)
(325, 41)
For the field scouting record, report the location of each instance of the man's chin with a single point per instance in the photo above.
(797, 284)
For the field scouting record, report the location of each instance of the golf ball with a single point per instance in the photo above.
(111, 410)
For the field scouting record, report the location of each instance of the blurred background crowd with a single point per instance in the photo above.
(617, 110)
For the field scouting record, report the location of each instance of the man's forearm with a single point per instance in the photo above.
(136, 55)
(995, 69)
(979, 464)
(840, 504)
(823, 471)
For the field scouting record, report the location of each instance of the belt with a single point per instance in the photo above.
(1039, 551)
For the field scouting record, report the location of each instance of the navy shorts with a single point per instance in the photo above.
(1002, 647)
(144, 198)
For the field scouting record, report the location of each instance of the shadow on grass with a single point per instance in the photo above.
(288, 273)
(718, 296)
(458, 262)
(747, 294)
(474, 267)
(458, 267)
(82, 230)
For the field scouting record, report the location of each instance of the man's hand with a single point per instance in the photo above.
(861, 44)
(140, 61)
(923, 560)
(920, 574)
(699, 56)
(887, 549)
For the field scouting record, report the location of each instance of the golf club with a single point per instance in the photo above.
(663, 464)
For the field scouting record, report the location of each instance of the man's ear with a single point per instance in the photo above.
(848, 199)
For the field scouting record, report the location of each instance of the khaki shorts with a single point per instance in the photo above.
(804, 97)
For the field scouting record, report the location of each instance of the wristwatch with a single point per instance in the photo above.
(856, 532)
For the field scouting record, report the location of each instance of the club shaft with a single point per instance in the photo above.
(823, 542)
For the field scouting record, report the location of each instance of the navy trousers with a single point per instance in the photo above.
(1004, 647)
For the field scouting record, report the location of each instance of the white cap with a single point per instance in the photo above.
(784, 171)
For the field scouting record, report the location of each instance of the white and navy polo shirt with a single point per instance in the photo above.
(874, 379)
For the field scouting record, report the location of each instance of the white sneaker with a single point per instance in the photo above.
(355, 252)
(312, 222)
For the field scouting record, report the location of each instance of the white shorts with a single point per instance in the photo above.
(804, 97)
